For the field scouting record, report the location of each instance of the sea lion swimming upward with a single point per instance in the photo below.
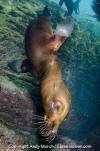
(42, 61)
(96, 9)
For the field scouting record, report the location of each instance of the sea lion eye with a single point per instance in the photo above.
(54, 105)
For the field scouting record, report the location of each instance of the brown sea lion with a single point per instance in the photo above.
(56, 98)
(41, 46)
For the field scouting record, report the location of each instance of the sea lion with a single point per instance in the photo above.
(69, 5)
(76, 7)
(96, 8)
(56, 98)
(41, 46)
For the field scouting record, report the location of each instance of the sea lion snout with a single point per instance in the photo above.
(48, 129)
(52, 123)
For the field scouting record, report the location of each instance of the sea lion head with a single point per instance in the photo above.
(56, 110)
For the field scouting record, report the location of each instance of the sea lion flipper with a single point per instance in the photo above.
(19, 66)
(62, 32)
(65, 28)
(25, 66)
(15, 65)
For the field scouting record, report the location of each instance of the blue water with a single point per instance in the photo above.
(85, 7)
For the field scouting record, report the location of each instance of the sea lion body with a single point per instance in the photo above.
(53, 90)
(37, 34)
(41, 46)
(41, 49)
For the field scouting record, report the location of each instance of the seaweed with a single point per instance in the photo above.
(1, 7)
(13, 13)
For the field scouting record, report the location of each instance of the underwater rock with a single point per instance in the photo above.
(16, 113)
(13, 13)
(1, 7)
(17, 107)
(8, 138)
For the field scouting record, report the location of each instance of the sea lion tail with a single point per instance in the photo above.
(65, 28)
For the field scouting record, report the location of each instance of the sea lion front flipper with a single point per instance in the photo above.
(25, 66)
(62, 32)
(65, 28)
(20, 66)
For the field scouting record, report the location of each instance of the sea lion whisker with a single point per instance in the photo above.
(38, 116)
(53, 137)
(49, 133)
(40, 120)
(39, 123)
(48, 138)
(43, 130)
(45, 133)
(36, 123)
(43, 120)
(42, 126)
